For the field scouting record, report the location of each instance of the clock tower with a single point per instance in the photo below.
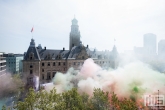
(74, 34)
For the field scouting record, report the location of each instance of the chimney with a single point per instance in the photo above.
(87, 46)
(63, 49)
(45, 48)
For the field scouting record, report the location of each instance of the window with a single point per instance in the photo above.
(31, 56)
(82, 57)
(64, 63)
(59, 63)
(48, 63)
(42, 70)
(43, 76)
(31, 71)
(54, 73)
(42, 64)
(31, 66)
(48, 76)
(74, 63)
(54, 64)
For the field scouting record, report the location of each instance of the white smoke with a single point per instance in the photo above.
(134, 78)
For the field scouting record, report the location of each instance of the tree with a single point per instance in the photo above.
(100, 100)
(72, 100)
(3, 108)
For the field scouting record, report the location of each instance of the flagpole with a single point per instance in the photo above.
(32, 31)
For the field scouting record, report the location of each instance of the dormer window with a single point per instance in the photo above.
(31, 56)
(59, 57)
(48, 57)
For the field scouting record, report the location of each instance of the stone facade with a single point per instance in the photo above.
(45, 63)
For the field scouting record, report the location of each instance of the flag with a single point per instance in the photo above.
(32, 29)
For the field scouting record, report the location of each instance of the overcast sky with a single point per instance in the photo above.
(100, 22)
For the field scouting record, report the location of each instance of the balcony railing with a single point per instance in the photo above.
(2, 65)
(2, 61)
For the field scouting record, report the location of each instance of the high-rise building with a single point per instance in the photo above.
(161, 48)
(149, 44)
(2, 64)
(74, 34)
(14, 63)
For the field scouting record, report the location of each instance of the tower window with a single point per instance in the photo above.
(31, 66)
(54, 64)
(42, 64)
(42, 70)
(64, 63)
(48, 63)
(59, 63)
(31, 71)
(31, 56)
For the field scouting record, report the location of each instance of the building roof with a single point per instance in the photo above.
(13, 55)
(52, 54)
(47, 54)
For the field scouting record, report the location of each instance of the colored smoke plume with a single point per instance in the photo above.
(9, 85)
(131, 81)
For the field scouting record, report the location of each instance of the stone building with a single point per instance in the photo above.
(44, 63)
